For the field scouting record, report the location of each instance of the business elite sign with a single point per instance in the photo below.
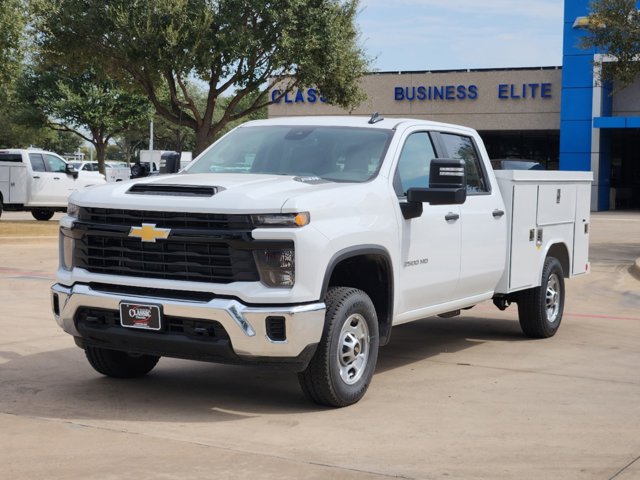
(505, 91)
(427, 93)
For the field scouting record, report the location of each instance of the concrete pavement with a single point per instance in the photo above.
(467, 397)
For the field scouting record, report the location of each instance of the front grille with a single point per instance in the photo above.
(215, 262)
(201, 247)
(189, 220)
(189, 327)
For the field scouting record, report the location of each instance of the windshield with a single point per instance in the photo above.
(333, 153)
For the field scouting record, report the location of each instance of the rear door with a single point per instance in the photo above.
(483, 221)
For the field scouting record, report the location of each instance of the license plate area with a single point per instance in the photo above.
(140, 316)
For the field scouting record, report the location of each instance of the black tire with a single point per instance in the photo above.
(1, 207)
(340, 371)
(540, 309)
(114, 363)
(42, 214)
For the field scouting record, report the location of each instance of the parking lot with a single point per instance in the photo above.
(466, 397)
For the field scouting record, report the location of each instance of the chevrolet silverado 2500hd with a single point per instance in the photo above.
(300, 242)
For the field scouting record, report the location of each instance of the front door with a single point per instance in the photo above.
(51, 184)
(430, 243)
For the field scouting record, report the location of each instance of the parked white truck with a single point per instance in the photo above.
(301, 242)
(38, 181)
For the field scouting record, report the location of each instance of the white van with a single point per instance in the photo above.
(38, 181)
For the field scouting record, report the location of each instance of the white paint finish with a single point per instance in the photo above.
(434, 243)
(581, 231)
(484, 241)
(556, 204)
(525, 254)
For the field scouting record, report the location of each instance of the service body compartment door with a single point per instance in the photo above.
(19, 186)
(525, 254)
(556, 204)
(581, 230)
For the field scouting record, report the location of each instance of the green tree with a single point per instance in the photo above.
(614, 27)
(236, 48)
(13, 18)
(95, 109)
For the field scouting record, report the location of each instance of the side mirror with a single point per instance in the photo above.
(447, 186)
(71, 170)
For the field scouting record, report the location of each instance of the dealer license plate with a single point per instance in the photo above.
(145, 317)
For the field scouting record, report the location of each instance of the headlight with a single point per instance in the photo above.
(276, 267)
(68, 245)
(73, 210)
(281, 219)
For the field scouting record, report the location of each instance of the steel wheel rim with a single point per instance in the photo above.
(353, 349)
(552, 298)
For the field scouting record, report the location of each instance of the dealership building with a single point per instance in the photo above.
(559, 116)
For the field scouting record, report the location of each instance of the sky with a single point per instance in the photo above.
(403, 35)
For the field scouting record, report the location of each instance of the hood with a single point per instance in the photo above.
(227, 193)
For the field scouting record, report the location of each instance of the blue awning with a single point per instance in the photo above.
(616, 122)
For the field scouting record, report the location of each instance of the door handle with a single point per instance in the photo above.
(56, 178)
(498, 213)
(451, 216)
(36, 177)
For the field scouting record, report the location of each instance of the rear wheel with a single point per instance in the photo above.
(42, 214)
(114, 363)
(340, 372)
(540, 309)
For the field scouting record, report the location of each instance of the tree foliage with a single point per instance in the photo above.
(238, 49)
(614, 28)
(94, 108)
(13, 18)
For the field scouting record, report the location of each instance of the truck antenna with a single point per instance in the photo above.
(375, 118)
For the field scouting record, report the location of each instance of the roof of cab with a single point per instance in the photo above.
(387, 123)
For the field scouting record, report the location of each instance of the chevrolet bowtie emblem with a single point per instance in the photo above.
(149, 233)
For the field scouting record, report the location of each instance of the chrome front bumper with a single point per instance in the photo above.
(246, 326)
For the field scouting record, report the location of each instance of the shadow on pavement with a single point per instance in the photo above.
(416, 341)
(61, 384)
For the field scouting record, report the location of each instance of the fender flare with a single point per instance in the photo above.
(360, 250)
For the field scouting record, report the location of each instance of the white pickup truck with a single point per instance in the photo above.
(38, 181)
(301, 242)
(115, 171)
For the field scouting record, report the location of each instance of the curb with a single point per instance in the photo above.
(28, 240)
(635, 269)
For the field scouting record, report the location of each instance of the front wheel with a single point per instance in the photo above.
(540, 309)
(340, 372)
(114, 363)
(42, 214)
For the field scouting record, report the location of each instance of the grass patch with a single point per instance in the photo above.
(28, 228)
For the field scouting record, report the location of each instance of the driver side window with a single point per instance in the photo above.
(414, 163)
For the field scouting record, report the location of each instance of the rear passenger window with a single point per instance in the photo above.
(37, 162)
(461, 147)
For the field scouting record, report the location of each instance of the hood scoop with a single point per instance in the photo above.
(174, 190)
